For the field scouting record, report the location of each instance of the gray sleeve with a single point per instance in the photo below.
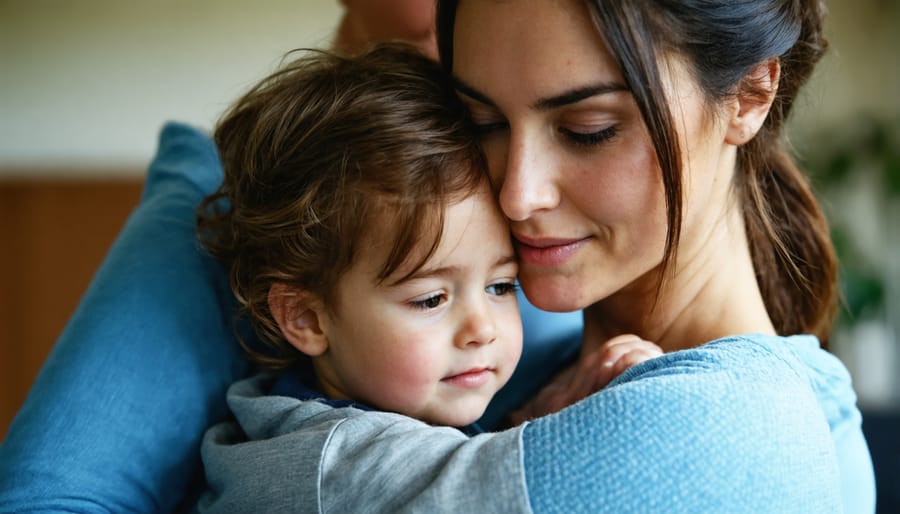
(285, 455)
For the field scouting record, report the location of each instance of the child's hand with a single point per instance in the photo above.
(591, 373)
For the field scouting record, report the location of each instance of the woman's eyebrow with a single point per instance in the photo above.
(569, 97)
(578, 94)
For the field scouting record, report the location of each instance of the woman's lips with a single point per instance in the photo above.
(470, 379)
(547, 252)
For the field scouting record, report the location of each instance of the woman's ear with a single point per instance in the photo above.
(754, 99)
(297, 313)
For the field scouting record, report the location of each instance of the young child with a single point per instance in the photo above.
(363, 240)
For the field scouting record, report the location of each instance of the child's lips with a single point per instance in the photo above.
(471, 378)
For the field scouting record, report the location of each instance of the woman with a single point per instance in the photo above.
(604, 216)
(634, 150)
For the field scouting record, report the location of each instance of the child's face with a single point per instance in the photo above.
(438, 345)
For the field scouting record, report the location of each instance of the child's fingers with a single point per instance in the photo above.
(620, 354)
(596, 369)
(592, 372)
(614, 350)
(633, 357)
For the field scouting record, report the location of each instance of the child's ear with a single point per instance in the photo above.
(297, 313)
(751, 106)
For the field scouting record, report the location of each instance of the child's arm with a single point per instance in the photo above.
(589, 374)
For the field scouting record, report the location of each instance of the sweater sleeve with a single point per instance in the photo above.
(113, 421)
(731, 427)
(305, 456)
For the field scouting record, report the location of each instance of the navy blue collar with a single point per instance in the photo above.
(299, 382)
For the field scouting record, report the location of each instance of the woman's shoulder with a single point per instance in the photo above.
(736, 415)
(775, 357)
(751, 355)
(787, 361)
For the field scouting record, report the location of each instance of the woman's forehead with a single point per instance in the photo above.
(541, 47)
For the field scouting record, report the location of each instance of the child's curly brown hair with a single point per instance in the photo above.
(321, 153)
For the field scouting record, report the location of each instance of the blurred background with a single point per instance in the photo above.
(85, 87)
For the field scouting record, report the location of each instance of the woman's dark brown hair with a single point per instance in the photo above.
(323, 153)
(793, 256)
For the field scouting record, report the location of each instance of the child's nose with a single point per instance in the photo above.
(478, 328)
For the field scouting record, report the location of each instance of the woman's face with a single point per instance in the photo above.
(568, 151)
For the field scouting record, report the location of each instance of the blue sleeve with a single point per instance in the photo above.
(724, 428)
(114, 420)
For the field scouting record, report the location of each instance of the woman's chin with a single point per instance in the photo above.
(553, 294)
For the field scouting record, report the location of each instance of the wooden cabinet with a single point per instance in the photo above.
(53, 236)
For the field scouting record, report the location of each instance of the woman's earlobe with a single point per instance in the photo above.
(297, 314)
(756, 93)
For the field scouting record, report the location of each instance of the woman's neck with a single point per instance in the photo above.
(712, 293)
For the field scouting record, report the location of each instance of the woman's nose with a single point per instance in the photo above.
(478, 327)
(526, 186)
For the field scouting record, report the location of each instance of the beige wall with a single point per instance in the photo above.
(85, 85)
(46, 265)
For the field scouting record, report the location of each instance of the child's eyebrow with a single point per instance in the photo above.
(444, 271)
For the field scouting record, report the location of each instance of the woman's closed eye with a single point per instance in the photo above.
(588, 138)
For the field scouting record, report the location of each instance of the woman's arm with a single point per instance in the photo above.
(114, 420)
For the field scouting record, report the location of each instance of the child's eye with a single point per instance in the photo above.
(485, 119)
(483, 129)
(430, 302)
(502, 288)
